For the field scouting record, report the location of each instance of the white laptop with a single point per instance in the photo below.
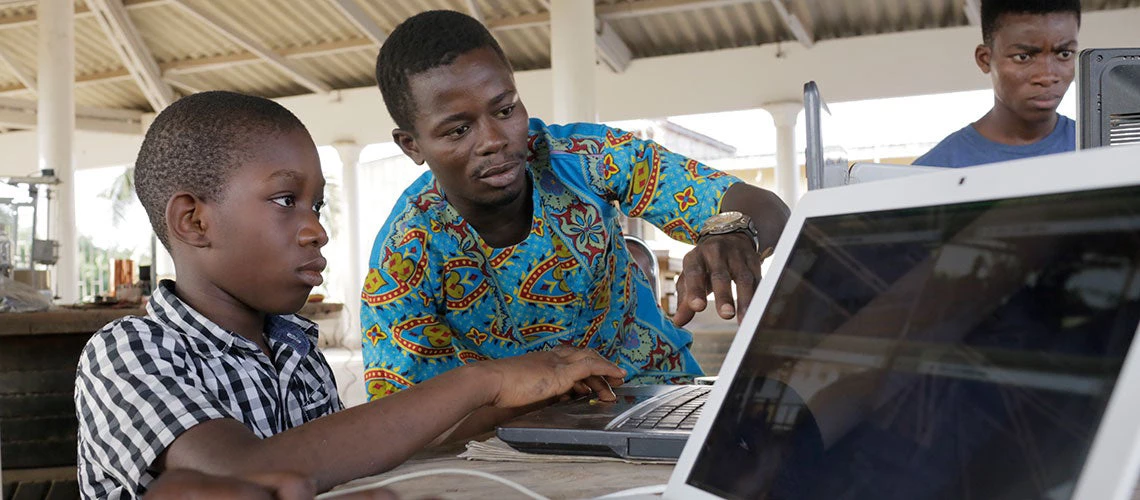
(961, 334)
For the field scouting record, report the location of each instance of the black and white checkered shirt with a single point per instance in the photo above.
(143, 381)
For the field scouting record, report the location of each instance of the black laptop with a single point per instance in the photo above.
(648, 422)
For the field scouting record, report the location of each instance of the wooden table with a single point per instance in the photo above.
(553, 480)
(88, 320)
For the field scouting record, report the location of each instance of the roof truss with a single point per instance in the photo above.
(113, 18)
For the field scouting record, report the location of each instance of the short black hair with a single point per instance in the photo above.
(992, 10)
(424, 41)
(195, 143)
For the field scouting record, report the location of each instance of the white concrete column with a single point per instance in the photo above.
(572, 40)
(349, 153)
(784, 114)
(56, 130)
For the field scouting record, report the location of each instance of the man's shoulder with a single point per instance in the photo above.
(577, 138)
(424, 218)
(416, 207)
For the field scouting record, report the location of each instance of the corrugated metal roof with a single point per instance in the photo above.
(318, 40)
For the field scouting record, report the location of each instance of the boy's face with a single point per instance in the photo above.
(471, 129)
(1031, 62)
(266, 238)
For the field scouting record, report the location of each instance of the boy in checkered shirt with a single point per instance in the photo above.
(220, 376)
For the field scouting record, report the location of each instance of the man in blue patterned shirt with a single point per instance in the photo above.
(511, 243)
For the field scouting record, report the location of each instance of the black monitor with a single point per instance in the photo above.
(1108, 97)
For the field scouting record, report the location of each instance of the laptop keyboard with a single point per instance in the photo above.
(679, 413)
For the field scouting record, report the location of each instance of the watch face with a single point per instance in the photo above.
(724, 217)
(722, 221)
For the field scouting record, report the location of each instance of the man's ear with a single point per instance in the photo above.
(407, 143)
(185, 220)
(982, 57)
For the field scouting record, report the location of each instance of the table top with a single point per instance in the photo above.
(553, 480)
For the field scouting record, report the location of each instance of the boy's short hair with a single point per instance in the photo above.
(196, 142)
(424, 41)
(992, 10)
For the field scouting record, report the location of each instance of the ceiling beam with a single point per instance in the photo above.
(634, 8)
(612, 56)
(123, 35)
(793, 24)
(115, 75)
(183, 85)
(172, 68)
(356, 15)
(536, 20)
(81, 11)
(21, 113)
(231, 60)
(475, 11)
(638, 8)
(277, 60)
(612, 50)
(24, 77)
(973, 12)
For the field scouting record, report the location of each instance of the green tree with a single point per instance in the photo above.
(122, 195)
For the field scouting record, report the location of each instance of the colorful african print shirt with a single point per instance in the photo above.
(437, 297)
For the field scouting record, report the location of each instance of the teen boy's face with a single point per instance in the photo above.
(266, 251)
(1031, 62)
(471, 129)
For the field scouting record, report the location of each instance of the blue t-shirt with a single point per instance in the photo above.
(967, 147)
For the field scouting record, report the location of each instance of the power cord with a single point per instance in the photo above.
(640, 490)
(413, 475)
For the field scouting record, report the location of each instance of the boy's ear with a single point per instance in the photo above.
(983, 55)
(185, 221)
(407, 143)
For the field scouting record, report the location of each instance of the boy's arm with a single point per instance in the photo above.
(374, 437)
(483, 420)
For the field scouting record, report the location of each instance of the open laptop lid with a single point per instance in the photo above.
(1041, 353)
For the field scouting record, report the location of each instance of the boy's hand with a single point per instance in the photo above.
(539, 376)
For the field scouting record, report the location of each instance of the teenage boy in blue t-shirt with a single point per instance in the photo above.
(1029, 50)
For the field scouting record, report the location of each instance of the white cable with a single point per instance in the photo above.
(412, 475)
(640, 490)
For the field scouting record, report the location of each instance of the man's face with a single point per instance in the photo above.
(266, 239)
(470, 127)
(1031, 62)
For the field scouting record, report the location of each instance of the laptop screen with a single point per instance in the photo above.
(948, 352)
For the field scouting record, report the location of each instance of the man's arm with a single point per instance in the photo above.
(720, 260)
(677, 194)
(374, 437)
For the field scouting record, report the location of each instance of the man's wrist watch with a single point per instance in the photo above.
(730, 222)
